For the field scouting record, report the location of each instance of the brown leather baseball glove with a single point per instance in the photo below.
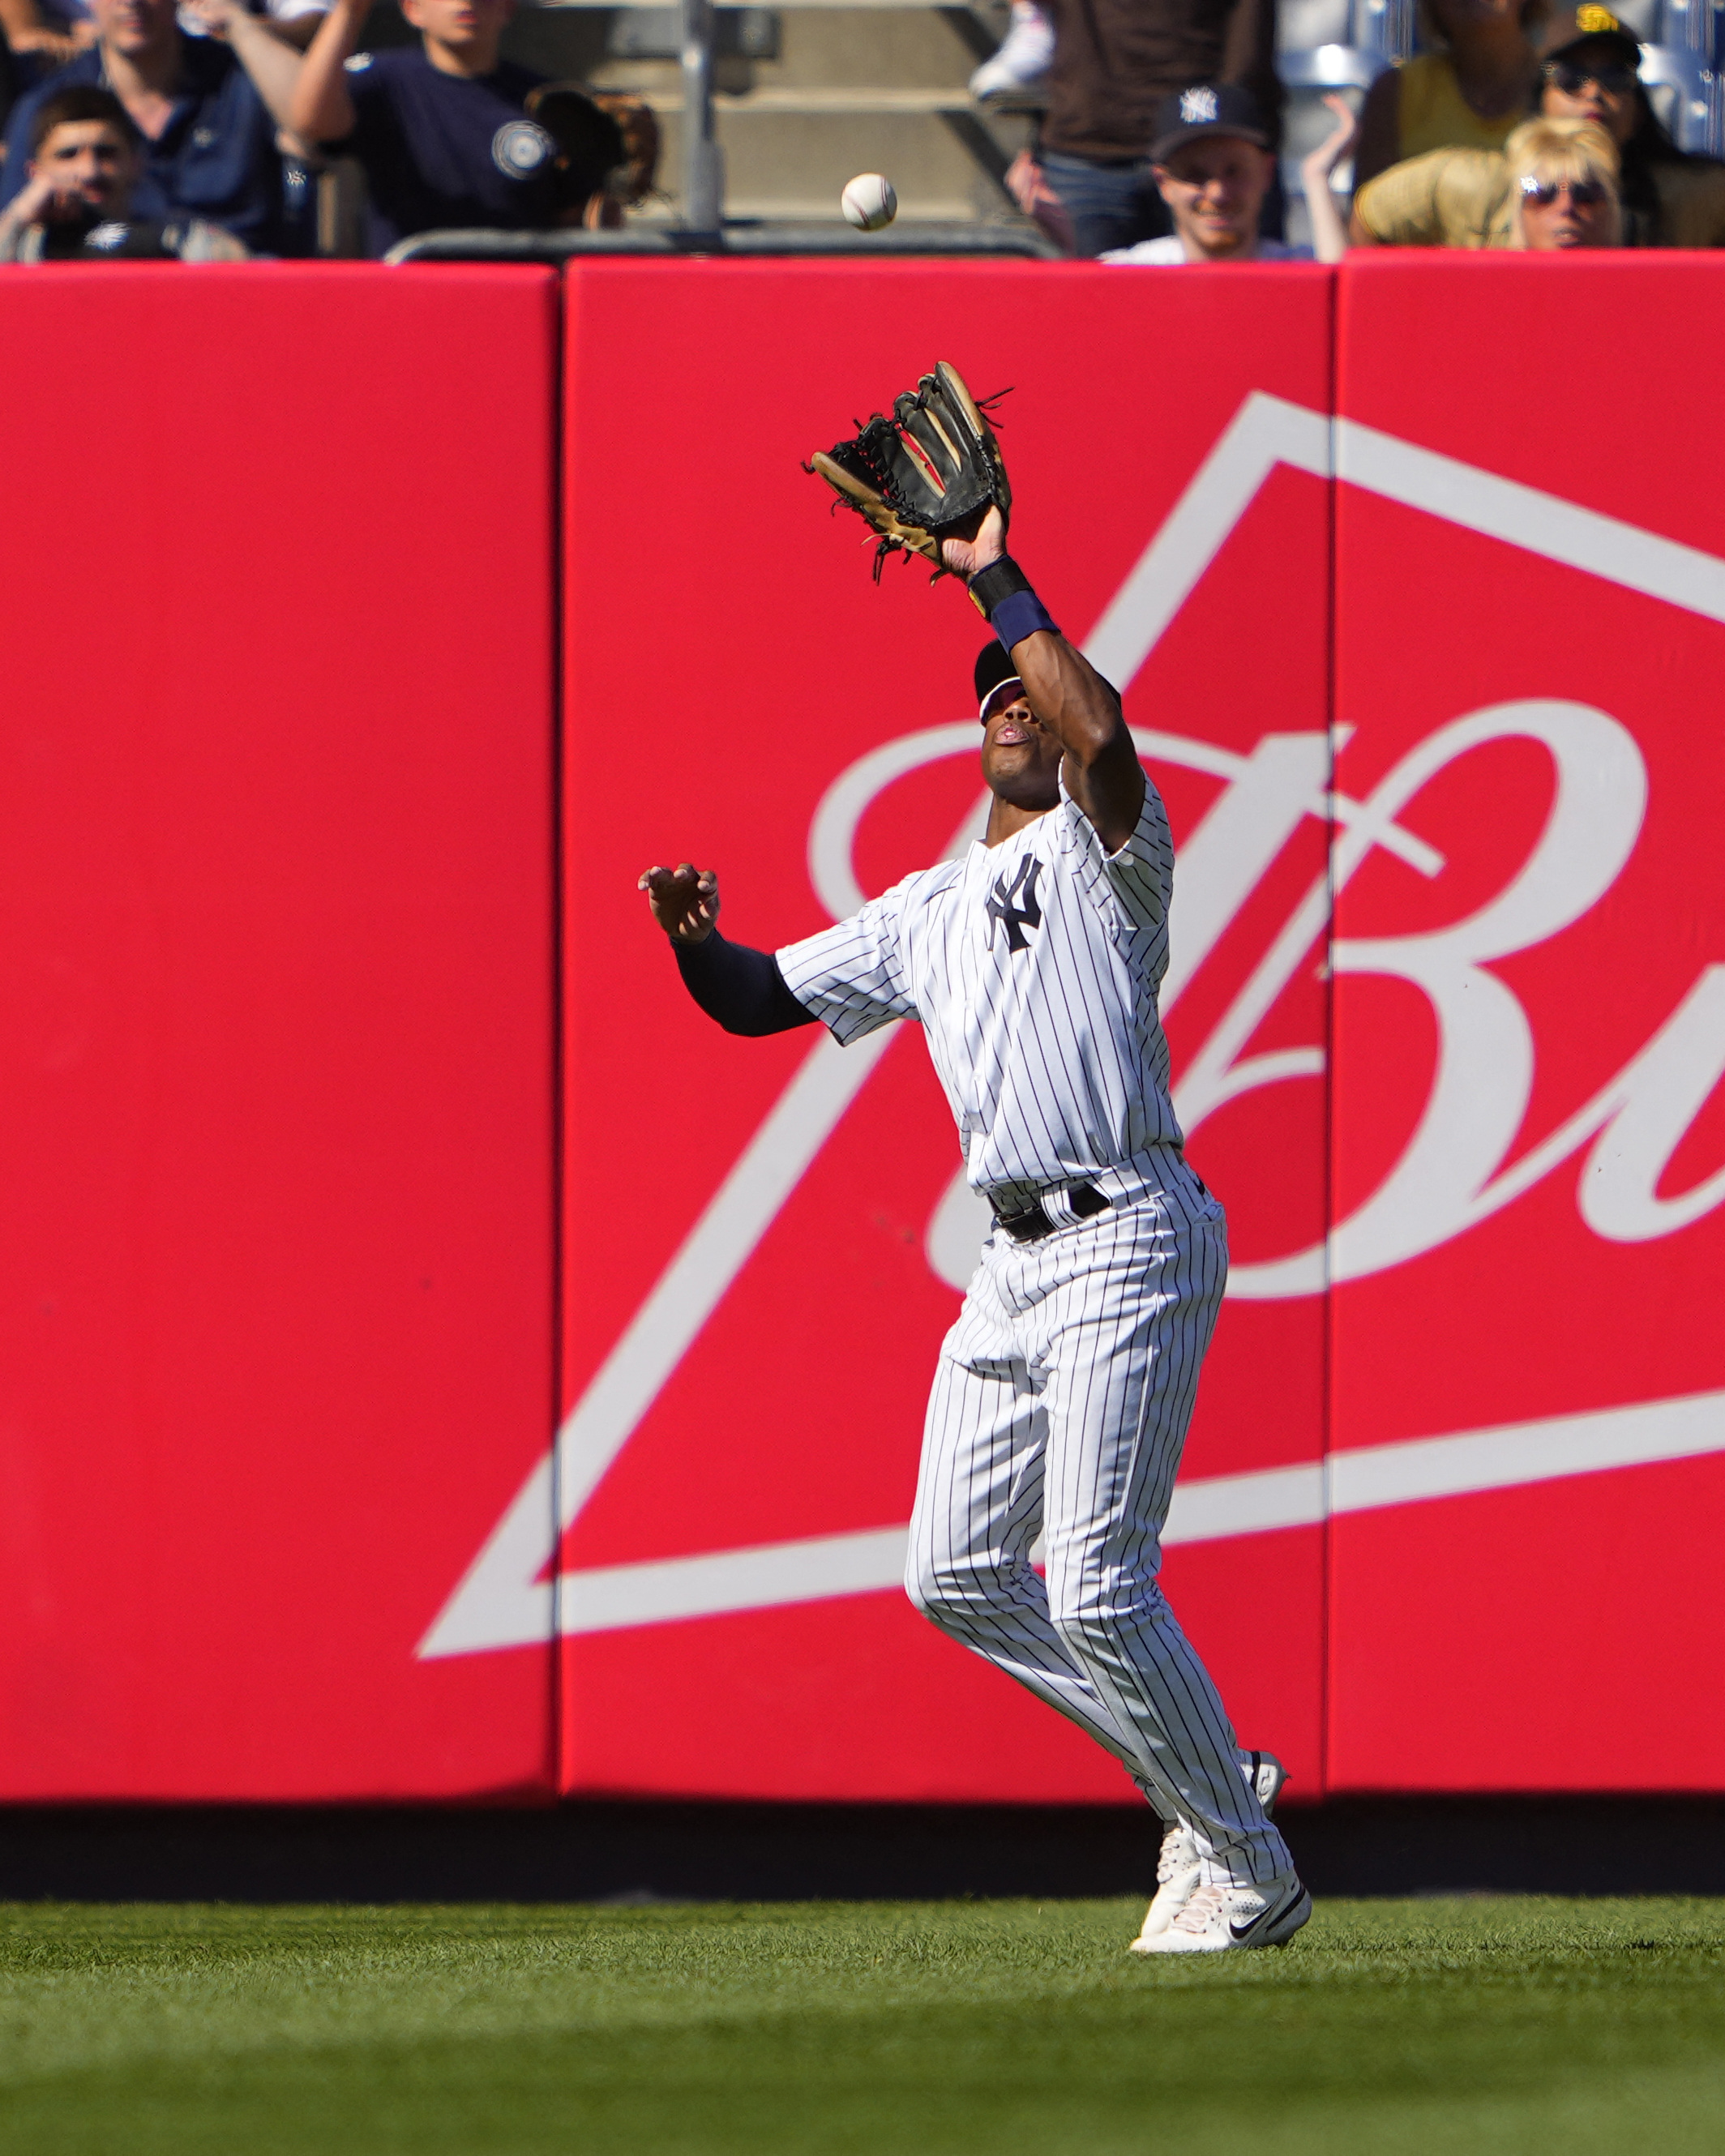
(927, 470)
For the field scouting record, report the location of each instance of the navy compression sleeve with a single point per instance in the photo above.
(743, 989)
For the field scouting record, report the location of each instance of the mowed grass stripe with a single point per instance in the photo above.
(1522, 2025)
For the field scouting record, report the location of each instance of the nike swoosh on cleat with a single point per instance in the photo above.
(1269, 1910)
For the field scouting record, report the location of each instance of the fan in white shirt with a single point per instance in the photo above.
(1214, 168)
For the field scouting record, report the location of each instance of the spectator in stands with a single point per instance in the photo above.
(1115, 62)
(75, 204)
(45, 37)
(441, 128)
(1553, 186)
(1213, 166)
(206, 110)
(1669, 198)
(1470, 94)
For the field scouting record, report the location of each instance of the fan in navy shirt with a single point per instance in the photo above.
(200, 103)
(441, 132)
(85, 159)
(443, 151)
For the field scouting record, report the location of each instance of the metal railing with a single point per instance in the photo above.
(1025, 243)
(703, 160)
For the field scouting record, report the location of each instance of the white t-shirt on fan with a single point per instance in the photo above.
(1169, 250)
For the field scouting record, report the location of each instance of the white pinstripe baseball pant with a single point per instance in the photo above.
(1061, 1404)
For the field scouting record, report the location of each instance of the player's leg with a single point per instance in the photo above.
(1123, 1310)
(978, 1510)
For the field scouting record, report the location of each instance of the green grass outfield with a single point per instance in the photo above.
(1428, 2026)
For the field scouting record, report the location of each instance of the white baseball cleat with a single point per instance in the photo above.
(1216, 1919)
(1176, 1876)
(1014, 79)
(1177, 1867)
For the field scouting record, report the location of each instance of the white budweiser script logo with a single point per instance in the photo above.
(1451, 1174)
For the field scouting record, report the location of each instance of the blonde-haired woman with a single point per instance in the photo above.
(1554, 184)
(1563, 186)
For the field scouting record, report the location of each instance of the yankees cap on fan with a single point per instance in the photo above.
(1207, 108)
(994, 671)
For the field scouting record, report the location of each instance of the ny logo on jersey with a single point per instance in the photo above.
(1016, 919)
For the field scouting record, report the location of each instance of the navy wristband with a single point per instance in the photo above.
(1020, 614)
(1003, 592)
(989, 586)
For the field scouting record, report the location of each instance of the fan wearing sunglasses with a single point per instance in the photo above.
(1670, 199)
(1563, 186)
(1553, 185)
(1461, 198)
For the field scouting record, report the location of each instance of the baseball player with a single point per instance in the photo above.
(1064, 1388)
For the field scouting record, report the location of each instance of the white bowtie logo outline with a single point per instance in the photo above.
(501, 1600)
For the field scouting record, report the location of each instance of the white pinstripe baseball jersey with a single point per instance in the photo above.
(1064, 1389)
(1032, 966)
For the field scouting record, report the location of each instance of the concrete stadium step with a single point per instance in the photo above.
(808, 95)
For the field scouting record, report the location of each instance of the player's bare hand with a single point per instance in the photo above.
(966, 558)
(685, 900)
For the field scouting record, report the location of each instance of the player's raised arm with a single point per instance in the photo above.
(930, 479)
(1065, 691)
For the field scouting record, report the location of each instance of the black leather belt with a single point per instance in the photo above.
(1030, 1226)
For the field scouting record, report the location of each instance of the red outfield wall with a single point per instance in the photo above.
(276, 1116)
(278, 1253)
(1529, 1042)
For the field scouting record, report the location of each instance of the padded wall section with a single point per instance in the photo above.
(1529, 1417)
(275, 1031)
(277, 1304)
(763, 1246)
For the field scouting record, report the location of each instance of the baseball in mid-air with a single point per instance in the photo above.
(869, 202)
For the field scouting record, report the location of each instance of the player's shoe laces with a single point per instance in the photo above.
(1177, 1868)
(1176, 1877)
(1015, 78)
(1216, 1919)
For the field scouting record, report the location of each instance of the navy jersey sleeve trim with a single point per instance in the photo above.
(743, 989)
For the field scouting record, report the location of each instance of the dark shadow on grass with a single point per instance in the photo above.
(639, 1852)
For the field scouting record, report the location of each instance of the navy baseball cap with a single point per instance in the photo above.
(1208, 108)
(994, 671)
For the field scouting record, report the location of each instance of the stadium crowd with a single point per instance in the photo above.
(1518, 125)
(197, 129)
(145, 128)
